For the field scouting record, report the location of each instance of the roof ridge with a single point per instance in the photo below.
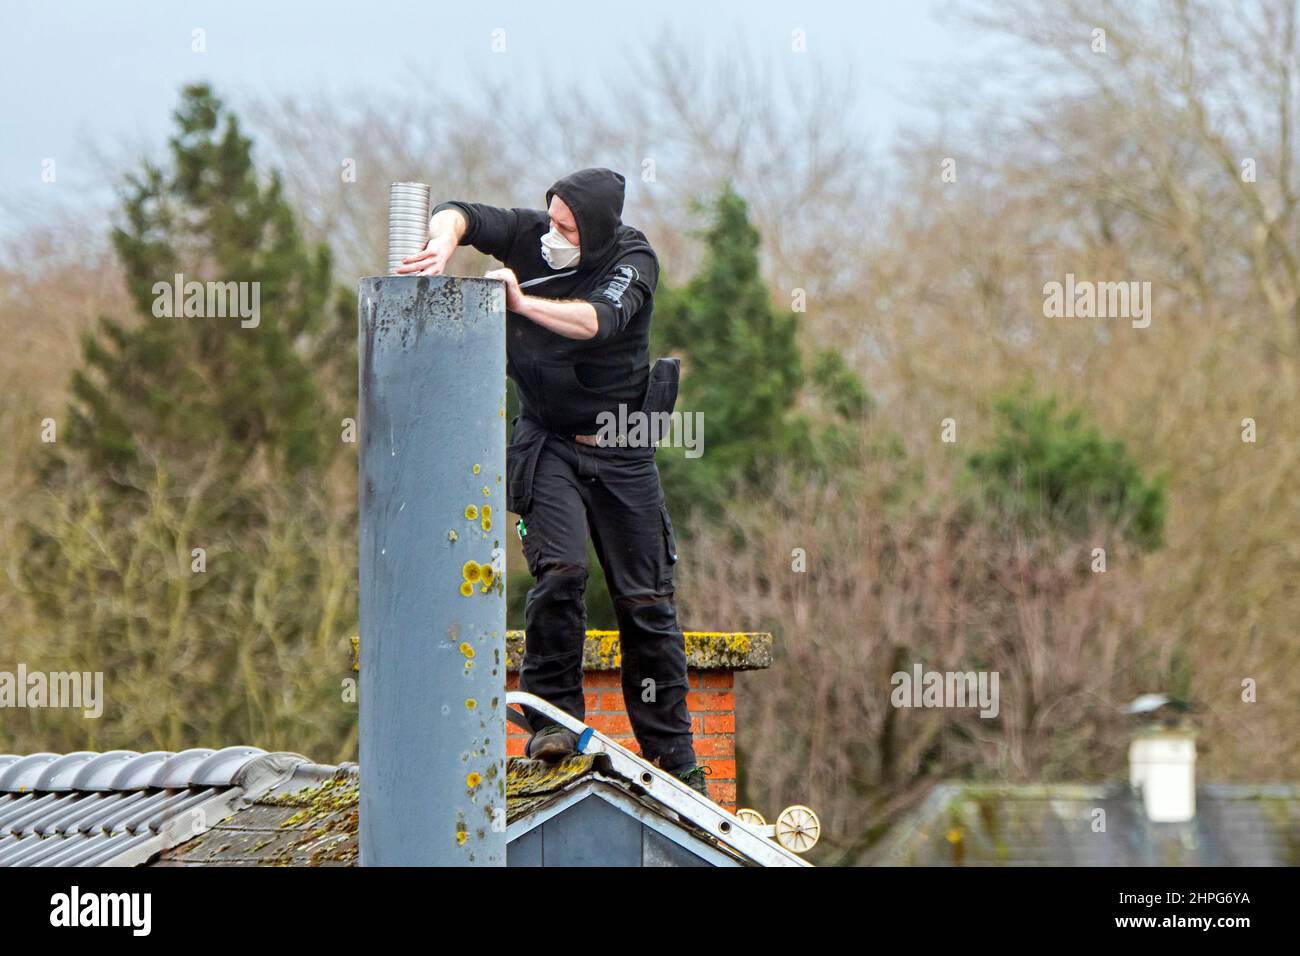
(116, 771)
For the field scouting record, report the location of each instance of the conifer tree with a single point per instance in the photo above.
(179, 388)
(744, 371)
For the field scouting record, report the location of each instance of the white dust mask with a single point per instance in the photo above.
(559, 252)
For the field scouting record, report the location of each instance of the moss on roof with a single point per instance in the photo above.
(527, 778)
(705, 650)
(317, 825)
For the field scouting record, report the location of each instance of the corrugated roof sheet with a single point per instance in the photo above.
(95, 809)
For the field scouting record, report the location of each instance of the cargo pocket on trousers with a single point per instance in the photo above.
(670, 551)
(521, 463)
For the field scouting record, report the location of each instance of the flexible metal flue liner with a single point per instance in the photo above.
(408, 221)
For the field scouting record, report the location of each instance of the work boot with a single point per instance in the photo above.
(552, 743)
(693, 777)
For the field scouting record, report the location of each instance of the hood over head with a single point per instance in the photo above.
(596, 197)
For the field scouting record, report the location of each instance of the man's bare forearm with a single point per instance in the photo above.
(448, 224)
(573, 319)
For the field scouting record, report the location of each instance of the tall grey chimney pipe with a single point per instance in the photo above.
(432, 571)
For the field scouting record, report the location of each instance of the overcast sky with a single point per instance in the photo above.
(80, 73)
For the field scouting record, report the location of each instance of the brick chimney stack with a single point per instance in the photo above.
(712, 660)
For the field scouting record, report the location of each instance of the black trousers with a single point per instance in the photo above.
(564, 490)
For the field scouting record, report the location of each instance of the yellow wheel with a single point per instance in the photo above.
(798, 829)
(746, 815)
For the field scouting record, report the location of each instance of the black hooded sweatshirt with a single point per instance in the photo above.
(563, 383)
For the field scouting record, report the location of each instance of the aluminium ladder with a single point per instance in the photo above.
(745, 837)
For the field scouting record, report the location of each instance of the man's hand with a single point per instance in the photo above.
(445, 230)
(514, 297)
(432, 260)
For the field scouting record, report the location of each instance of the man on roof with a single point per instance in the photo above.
(580, 287)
